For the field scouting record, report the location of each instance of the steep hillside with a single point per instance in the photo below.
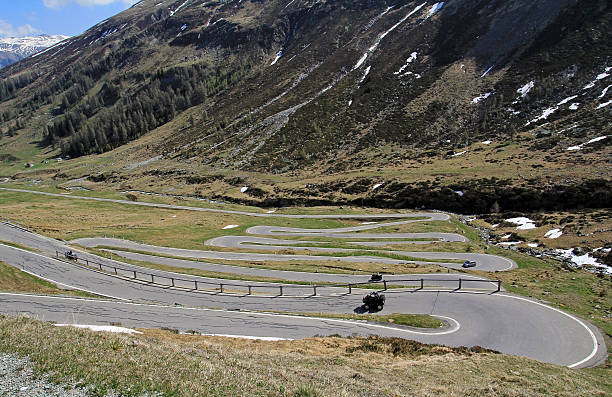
(338, 96)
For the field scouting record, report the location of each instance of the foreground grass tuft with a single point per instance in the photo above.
(187, 365)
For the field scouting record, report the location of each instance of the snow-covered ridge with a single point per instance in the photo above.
(26, 46)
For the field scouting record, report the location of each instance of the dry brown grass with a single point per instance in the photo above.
(183, 365)
(14, 280)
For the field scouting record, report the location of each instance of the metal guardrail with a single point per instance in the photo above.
(177, 282)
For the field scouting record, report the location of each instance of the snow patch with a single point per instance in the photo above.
(603, 105)
(434, 9)
(382, 36)
(102, 328)
(574, 106)
(523, 223)
(183, 27)
(532, 245)
(604, 92)
(244, 189)
(545, 114)
(376, 186)
(509, 243)
(230, 227)
(278, 56)
(554, 233)
(412, 57)
(459, 192)
(566, 100)
(179, 7)
(459, 154)
(486, 142)
(524, 90)
(365, 74)
(487, 71)
(481, 97)
(578, 147)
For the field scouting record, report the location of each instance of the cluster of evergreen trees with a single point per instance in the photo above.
(8, 87)
(111, 117)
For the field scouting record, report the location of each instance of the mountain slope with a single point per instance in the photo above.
(322, 88)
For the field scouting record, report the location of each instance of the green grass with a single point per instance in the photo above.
(408, 320)
(14, 280)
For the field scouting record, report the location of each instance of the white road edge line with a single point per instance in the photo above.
(262, 314)
(593, 337)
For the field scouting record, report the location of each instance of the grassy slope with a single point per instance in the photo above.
(14, 280)
(183, 365)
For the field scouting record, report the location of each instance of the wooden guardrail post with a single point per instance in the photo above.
(498, 285)
(350, 289)
(172, 281)
(281, 290)
(314, 287)
(250, 290)
(221, 287)
(152, 278)
(100, 266)
(134, 274)
(195, 283)
(422, 283)
(459, 283)
(385, 284)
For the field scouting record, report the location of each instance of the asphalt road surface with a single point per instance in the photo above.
(498, 321)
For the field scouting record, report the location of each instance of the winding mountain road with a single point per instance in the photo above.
(499, 321)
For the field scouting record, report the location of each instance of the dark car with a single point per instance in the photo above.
(376, 277)
(469, 264)
(374, 300)
(71, 255)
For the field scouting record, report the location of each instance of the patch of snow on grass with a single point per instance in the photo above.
(554, 233)
(434, 9)
(183, 27)
(179, 7)
(459, 192)
(523, 223)
(102, 328)
(603, 105)
(578, 147)
(545, 114)
(244, 189)
(376, 186)
(459, 154)
(487, 71)
(509, 243)
(383, 35)
(574, 106)
(532, 245)
(412, 57)
(278, 56)
(230, 227)
(365, 74)
(350, 102)
(566, 100)
(481, 97)
(604, 92)
(486, 142)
